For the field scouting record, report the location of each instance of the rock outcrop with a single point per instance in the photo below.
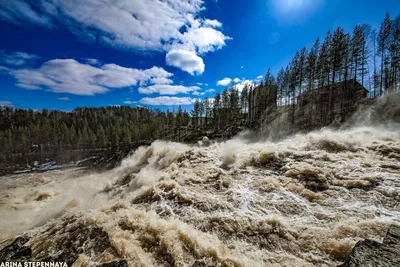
(369, 253)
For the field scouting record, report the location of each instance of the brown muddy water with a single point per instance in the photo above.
(303, 201)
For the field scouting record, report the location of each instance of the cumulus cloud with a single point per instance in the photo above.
(224, 82)
(16, 59)
(242, 84)
(213, 23)
(185, 60)
(6, 104)
(161, 80)
(236, 80)
(202, 40)
(210, 90)
(141, 24)
(71, 76)
(64, 98)
(167, 101)
(167, 89)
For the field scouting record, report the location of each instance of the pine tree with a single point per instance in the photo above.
(244, 98)
(311, 68)
(101, 137)
(324, 61)
(395, 54)
(196, 113)
(217, 111)
(383, 46)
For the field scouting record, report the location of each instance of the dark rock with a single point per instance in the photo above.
(121, 263)
(16, 251)
(369, 253)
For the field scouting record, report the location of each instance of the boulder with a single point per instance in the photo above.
(369, 253)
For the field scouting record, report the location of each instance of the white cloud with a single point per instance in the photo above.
(199, 84)
(185, 60)
(236, 80)
(167, 89)
(243, 83)
(259, 77)
(161, 80)
(198, 93)
(129, 102)
(6, 104)
(64, 98)
(20, 12)
(141, 24)
(206, 84)
(167, 101)
(241, 67)
(224, 82)
(201, 40)
(71, 76)
(16, 59)
(213, 23)
(210, 90)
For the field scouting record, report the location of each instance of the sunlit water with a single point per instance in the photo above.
(303, 201)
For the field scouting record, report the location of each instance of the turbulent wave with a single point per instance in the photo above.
(302, 201)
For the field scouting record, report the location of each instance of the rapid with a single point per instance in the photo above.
(302, 201)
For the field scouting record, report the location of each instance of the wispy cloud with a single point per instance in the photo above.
(64, 98)
(167, 101)
(167, 89)
(16, 59)
(129, 102)
(198, 93)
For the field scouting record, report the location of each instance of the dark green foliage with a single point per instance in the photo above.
(30, 135)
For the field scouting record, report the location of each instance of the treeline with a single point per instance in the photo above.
(366, 57)
(28, 135)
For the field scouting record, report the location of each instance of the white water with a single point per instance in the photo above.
(303, 201)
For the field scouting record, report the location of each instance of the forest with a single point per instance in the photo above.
(331, 74)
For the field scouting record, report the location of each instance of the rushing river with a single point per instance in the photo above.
(302, 201)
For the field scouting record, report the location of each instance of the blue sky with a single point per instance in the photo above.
(59, 54)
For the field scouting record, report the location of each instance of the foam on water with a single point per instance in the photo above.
(302, 201)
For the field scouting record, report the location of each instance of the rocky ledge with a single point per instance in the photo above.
(369, 253)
